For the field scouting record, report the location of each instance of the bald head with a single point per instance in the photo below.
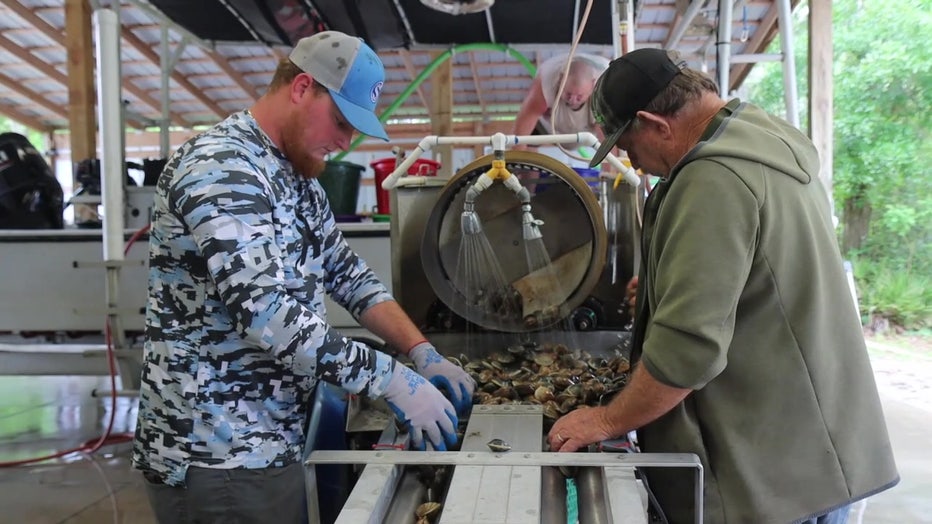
(580, 82)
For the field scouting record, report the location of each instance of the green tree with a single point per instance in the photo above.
(882, 97)
(9, 126)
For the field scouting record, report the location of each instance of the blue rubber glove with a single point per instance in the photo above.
(445, 375)
(422, 408)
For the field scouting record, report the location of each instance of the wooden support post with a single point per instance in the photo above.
(821, 87)
(441, 111)
(81, 95)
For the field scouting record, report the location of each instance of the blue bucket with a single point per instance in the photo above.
(591, 176)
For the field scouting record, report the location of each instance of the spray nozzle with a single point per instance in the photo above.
(530, 226)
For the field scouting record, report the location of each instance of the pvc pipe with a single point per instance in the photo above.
(683, 24)
(109, 106)
(423, 147)
(723, 53)
(532, 70)
(585, 138)
(789, 61)
(576, 18)
(489, 25)
(165, 94)
(630, 176)
(498, 142)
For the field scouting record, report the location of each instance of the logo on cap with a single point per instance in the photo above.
(375, 92)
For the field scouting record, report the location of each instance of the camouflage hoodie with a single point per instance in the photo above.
(241, 253)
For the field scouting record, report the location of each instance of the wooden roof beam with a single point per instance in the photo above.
(146, 50)
(409, 68)
(49, 71)
(55, 35)
(760, 39)
(17, 87)
(28, 121)
(475, 81)
(235, 75)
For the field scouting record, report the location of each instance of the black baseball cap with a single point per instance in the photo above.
(626, 87)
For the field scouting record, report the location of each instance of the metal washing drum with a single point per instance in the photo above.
(573, 236)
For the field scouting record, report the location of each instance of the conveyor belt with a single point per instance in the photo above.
(519, 486)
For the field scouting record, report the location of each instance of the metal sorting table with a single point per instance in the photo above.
(519, 486)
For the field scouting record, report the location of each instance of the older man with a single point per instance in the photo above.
(543, 113)
(749, 351)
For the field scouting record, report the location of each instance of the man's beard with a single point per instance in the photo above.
(305, 164)
(308, 166)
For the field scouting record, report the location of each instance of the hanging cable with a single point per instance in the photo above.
(566, 72)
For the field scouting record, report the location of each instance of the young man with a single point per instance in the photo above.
(243, 247)
(749, 350)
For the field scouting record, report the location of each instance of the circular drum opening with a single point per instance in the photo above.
(533, 297)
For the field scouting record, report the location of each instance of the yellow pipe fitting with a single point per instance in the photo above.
(498, 171)
(620, 176)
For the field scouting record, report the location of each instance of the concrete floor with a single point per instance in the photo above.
(39, 415)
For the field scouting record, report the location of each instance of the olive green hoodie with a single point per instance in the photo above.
(748, 305)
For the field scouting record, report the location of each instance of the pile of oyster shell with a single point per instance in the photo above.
(552, 375)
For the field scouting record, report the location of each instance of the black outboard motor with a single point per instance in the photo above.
(30, 196)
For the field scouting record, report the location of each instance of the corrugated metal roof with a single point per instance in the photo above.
(210, 80)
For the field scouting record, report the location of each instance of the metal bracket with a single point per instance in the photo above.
(106, 263)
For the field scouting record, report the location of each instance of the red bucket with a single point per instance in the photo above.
(385, 166)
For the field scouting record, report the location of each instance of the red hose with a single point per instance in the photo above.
(108, 437)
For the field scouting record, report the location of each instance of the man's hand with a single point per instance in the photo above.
(422, 408)
(577, 429)
(444, 374)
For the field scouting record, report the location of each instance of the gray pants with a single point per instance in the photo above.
(232, 496)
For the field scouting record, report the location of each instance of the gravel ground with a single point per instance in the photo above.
(903, 369)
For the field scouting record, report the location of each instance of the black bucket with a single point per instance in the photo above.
(341, 183)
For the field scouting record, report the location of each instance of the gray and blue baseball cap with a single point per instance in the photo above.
(350, 70)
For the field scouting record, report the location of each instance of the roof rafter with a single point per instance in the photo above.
(763, 35)
(235, 75)
(409, 67)
(475, 81)
(55, 35)
(146, 50)
(26, 120)
(17, 87)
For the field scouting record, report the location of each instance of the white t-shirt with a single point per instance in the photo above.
(550, 73)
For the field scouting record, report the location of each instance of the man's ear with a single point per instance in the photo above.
(656, 122)
(300, 85)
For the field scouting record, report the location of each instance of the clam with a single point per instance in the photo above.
(524, 389)
(516, 349)
(543, 394)
(506, 392)
(567, 405)
(481, 397)
(485, 376)
(563, 381)
(498, 445)
(551, 410)
(427, 509)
